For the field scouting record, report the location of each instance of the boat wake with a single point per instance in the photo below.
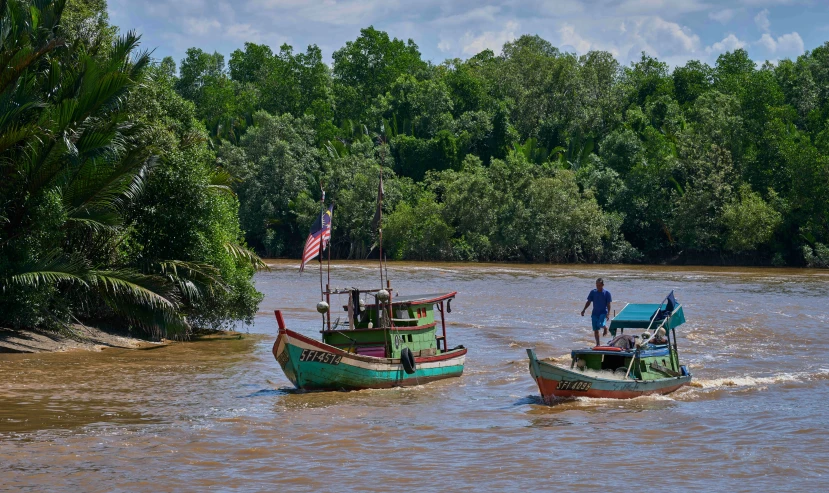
(603, 374)
(751, 381)
(641, 398)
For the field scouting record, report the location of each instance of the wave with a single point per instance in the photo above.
(596, 400)
(752, 381)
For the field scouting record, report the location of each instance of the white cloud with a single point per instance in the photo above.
(478, 15)
(658, 7)
(243, 32)
(729, 43)
(768, 43)
(762, 20)
(570, 37)
(722, 16)
(674, 31)
(333, 12)
(199, 26)
(493, 40)
(669, 36)
(561, 7)
(788, 44)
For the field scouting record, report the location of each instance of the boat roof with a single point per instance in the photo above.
(639, 316)
(422, 299)
(650, 351)
(418, 299)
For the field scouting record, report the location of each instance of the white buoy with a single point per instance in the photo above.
(322, 307)
(383, 295)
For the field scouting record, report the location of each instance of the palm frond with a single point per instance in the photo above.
(132, 286)
(192, 278)
(54, 269)
(221, 181)
(242, 253)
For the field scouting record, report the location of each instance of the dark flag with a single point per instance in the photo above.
(671, 302)
(318, 238)
(375, 222)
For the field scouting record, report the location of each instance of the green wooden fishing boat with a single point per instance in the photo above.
(651, 367)
(383, 340)
(392, 343)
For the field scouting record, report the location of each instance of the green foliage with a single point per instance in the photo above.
(92, 228)
(418, 231)
(367, 67)
(749, 221)
(414, 157)
(817, 256)
(642, 162)
(275, 162)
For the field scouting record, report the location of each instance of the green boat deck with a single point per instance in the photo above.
(413, 325)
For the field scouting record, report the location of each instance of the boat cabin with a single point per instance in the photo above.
(647, 361)
(382, 330)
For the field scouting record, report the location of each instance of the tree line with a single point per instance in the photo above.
(138, 190)
(532, 154)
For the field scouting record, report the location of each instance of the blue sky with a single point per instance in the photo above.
(673, 30)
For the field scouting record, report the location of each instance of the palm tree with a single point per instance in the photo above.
(70, 162)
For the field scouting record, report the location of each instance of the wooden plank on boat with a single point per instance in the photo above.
(664, 369)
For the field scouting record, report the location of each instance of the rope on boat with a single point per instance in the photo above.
(636, 354)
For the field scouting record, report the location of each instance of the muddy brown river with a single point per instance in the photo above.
(220, 416)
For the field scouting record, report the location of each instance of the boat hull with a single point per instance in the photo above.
(557, 382)
(313, 365)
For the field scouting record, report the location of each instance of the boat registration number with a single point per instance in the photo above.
(282, 359)
(320, 357)
(577, 385)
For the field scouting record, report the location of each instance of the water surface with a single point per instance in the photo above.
(220, 416)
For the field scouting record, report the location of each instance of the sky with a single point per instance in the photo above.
(674, 31)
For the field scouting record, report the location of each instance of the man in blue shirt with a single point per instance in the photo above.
(600, 297)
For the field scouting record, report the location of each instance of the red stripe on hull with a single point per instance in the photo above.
(548, 390)
(406, 382)
(345, 354)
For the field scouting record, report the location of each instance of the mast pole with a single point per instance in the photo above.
(380, 225)
(328, 287)
(319, 257)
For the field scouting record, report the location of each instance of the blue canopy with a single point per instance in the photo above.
(639, 316)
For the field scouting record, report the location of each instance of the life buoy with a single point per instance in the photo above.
(606, 348)
(407, 360)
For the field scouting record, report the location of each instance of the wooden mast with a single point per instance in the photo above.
(322, 225)
(380, 224)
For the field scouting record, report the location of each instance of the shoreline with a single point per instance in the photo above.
(86, 339)
(282, 262)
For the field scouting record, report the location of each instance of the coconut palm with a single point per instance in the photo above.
(71, 160)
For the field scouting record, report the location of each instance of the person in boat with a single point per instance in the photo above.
(659, 337)
(623, 342)
(601, 299)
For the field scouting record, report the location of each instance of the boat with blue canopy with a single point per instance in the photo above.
(629, 365)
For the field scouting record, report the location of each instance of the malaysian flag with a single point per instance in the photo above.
(318, 238)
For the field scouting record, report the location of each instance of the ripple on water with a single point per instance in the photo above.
(222, 416)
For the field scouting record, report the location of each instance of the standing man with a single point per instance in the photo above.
(600, 297)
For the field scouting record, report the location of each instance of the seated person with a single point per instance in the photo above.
(659, 337)
(623, 342)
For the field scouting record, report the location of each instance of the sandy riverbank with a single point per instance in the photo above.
(89, 339)
(85, 339)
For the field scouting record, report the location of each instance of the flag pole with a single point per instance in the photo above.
(322, 212)
(380, 225)
(328, 283)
